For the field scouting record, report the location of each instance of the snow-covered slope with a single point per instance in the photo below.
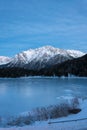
(41, 57)
(4, 60)
(75, 53)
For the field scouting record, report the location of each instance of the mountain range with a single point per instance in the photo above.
(46, 60)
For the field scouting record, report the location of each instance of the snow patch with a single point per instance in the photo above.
(4, 60)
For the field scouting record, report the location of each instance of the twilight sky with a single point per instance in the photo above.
(28, 24)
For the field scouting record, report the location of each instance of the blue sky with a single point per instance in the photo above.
(28, 24)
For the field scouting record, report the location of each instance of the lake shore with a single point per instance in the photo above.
(80, 124)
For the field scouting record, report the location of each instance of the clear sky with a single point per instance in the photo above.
(28, 24)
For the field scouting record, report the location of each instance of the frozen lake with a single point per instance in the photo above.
(23, 94)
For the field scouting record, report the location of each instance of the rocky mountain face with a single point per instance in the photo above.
(40, 61)
(42, 57)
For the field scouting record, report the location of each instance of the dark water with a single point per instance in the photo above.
(22, 94)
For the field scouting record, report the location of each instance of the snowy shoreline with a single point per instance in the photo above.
(53, 125)
(46, 77)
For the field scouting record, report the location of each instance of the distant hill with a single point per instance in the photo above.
(4, 60)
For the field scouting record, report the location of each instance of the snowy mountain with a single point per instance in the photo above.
(4, 60)
(46, 61)
(75, 53)
(42, 57)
